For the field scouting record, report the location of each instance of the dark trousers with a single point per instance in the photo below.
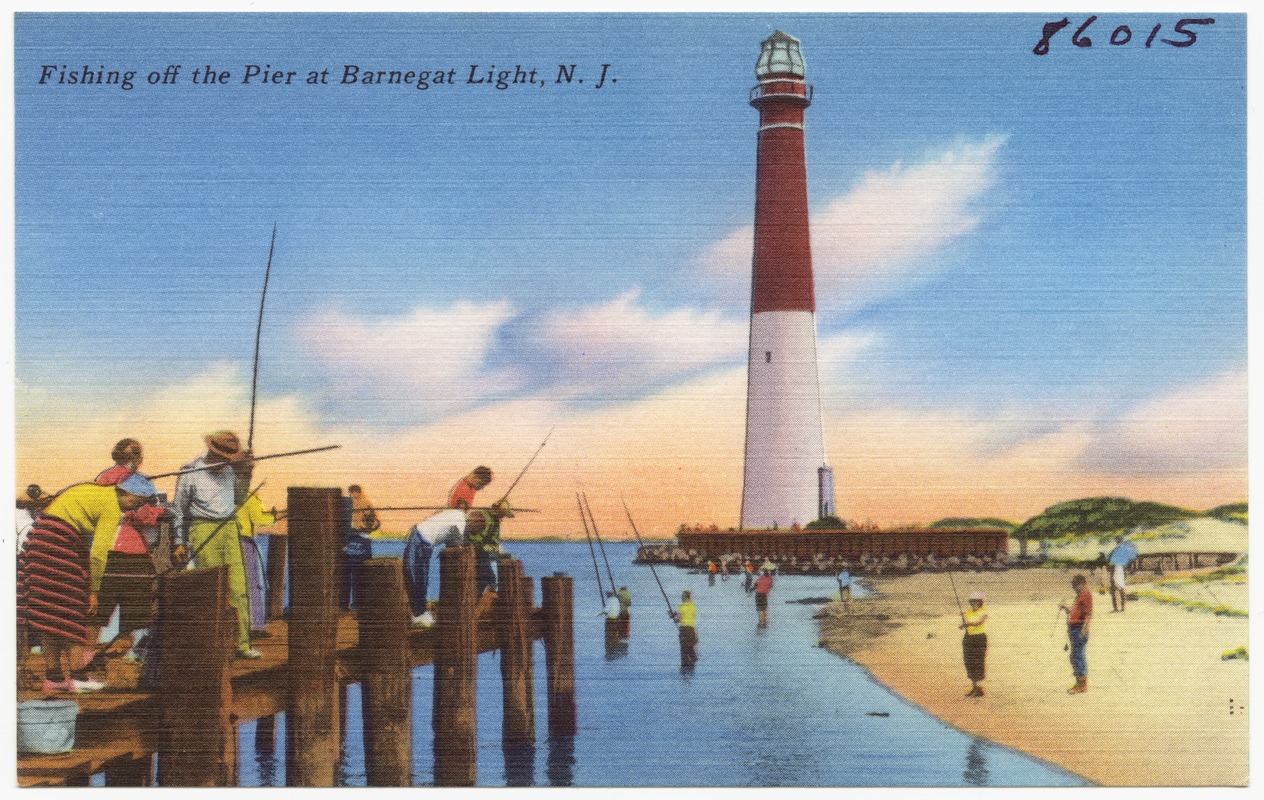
(357, 550)
(417, 554)
(485, 570)
(688, 646)
(974, 653)
(1079, 662)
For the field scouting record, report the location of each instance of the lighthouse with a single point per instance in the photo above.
(786, 478)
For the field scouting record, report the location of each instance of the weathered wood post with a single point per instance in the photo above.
(386, 693)
(559, 650)
(311, 720)
(137, 772)
(455, 671)
(516, 653)
(278, 545)
(197, 631)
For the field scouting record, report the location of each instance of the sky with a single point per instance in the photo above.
(1030, 270)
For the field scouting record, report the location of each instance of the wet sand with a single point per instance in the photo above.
(1158, 709)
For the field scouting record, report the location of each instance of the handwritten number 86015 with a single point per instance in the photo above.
(1120, 36)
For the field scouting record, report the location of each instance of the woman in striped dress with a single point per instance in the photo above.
(57, 583)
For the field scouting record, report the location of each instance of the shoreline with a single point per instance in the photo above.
(1157, 709)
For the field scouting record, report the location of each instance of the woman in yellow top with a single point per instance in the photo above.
(58, 578)
(250, 516)
(974, 643)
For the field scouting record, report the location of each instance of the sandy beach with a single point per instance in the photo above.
(1162, 707)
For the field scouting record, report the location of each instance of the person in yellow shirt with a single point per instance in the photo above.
(59, 573)
(250, 516)
(686, 617)
(974, 643)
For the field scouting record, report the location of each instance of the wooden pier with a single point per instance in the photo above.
(185, 733)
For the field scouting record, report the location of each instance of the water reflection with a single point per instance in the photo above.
(976, 772)
(519, 765)
(561, 763)
(265, 750)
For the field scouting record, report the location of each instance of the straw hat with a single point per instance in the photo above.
(225, 444)
(977, 596)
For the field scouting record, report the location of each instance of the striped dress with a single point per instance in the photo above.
(54, 578)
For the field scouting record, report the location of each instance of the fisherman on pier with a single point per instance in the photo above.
(482, 531)
(444, 528)
(206, 504)
(250, 517)
(462, 494)
(358, 547)
(128, 565)
(58, 580)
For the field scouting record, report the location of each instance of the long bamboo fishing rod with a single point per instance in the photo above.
(527, 467)
(641, 542)
(600, 544)
(450, 508)
(255, 458)
(254, 380)
(600, 590)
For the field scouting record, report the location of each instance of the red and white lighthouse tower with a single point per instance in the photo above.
(786, 479)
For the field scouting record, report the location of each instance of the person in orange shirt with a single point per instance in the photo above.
(462, 494)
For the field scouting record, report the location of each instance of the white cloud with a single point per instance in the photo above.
(875, 239)
(432, 360)
(622, 348)
(1199, 427)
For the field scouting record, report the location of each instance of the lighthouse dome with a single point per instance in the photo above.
(780, 56)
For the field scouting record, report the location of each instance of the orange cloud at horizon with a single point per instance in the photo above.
(675, 456)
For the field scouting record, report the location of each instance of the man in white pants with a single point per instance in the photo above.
(444, 528)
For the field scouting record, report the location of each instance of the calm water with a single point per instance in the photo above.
(763, 707)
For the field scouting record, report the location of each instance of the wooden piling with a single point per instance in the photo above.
(197, 631)
(138, 772)
(265, 735)
(311, 722)
(559, 649)
(274, 598)
(455, 670)
(386, 693)
(516, 654)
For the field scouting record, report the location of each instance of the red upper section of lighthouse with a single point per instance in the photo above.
(781, 277)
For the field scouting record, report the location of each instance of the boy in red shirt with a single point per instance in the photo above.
(1079, 614)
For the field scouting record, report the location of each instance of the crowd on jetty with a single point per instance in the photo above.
(818, 564)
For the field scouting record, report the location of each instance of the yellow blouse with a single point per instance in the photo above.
(974, 620)
(93, 511)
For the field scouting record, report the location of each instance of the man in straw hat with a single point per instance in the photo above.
(206, 523)
(482, 531)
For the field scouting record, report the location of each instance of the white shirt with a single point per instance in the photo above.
(613, 607)
(444, 528)
(205, 495)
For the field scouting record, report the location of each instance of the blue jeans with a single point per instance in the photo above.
(1079, 640)
(417, 554)
(355, 551)
(486, 570)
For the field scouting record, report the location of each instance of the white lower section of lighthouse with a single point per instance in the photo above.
(785, 444)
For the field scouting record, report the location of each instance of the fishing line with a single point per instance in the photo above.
(641, 542)
(254, 381)
(600, 544)
(600, 590)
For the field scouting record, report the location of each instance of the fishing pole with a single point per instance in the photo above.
(597, 536)
(651, 563)
(449, 508)
(252, 459)
(600, 589)
(254, 381)
(957, 597)
(527, 467)
(215, 532)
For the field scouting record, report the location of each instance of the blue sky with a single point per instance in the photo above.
(1046, 239)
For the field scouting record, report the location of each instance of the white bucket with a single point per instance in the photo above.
(47, 726)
